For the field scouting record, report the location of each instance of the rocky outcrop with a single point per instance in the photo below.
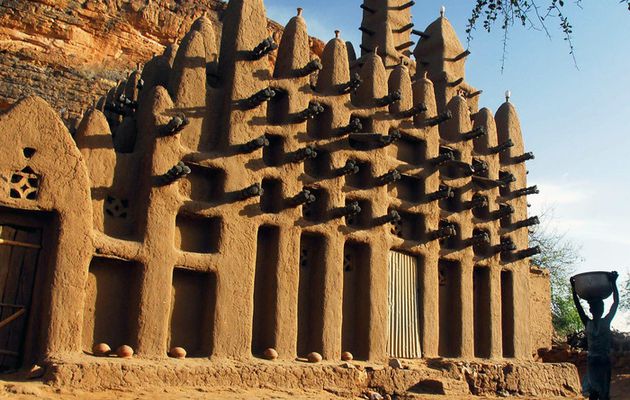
(70, 52)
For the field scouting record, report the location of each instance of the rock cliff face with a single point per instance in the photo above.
(70, 52)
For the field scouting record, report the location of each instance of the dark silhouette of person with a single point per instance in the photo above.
(599, 338)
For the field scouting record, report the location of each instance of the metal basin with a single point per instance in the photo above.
(593, 285)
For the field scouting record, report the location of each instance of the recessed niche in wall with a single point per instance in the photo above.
(115, 207)
(484, 211)
(124, 135)
(197, 234)
(318, 167)
(450, 309)
(367, 124)
(507, 253)
(455, 168)
(311, 294)
(409, 188)
(481, 168)
(362, 219)
(212, 68)
(271, 201)
(316, 211)
(117, 218)
(320, 127)
(362, 179)
(111, 303)
(265, 289)
(457, 155)
(278, 108)
(410, 227)
(481, 311)
(397, 227)
(203, 183)
(192, 311)
(273, 154)
(482, 249)
(452, 204)
(507, 313)
(409, 150)
(506, 221)
(356, 295)
(452, 242)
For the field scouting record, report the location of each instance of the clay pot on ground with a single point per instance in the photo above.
(270, 354)
(347, 356)
(177, 352)
(314, 357)
(124, 351)
(101, 350)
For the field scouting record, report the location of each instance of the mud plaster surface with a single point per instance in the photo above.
(157, 234)
(28, 390)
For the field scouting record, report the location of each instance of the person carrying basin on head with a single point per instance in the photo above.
(594, 287)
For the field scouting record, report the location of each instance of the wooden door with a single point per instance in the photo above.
(19, 252)
(404, 328)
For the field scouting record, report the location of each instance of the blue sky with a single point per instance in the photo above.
(576, 121)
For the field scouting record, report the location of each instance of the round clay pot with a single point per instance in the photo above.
(101, 350)
(270, 354)
(593, 285)
(124, 351)
(314, 357)
(346, 356)
(177, 352)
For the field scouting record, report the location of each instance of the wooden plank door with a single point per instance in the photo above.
(403, 296)
(19, 253)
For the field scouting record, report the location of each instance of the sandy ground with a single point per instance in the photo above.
(30, 390)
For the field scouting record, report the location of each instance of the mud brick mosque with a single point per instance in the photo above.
(226, 204)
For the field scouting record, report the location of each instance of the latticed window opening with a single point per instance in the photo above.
(117, 208)
(24, 184)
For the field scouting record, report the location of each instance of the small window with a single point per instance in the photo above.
(28, 152)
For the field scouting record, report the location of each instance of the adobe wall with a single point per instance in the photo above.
(541, 324)
(41, 169)
(223, 217)
(349, 380)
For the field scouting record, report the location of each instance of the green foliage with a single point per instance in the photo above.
(624, 300)
(559, 256)
(564, 316)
